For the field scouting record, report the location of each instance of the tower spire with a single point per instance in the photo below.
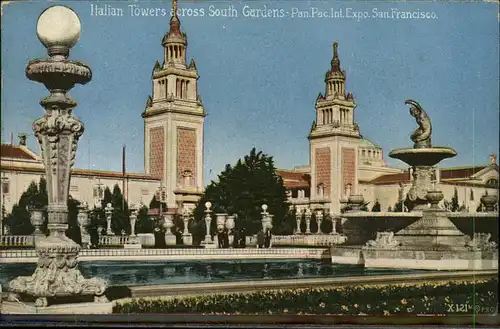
(175, 23)
(335, 60)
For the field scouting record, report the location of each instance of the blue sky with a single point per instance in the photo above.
(259, 77)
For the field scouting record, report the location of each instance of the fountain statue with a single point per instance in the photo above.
(422, 157)
(57, 274)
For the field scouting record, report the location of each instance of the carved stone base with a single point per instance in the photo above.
(57, 274)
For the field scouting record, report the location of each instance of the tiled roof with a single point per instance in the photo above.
(461, 172)
(444, 173)
(391, 179)
(295, 179)
(15, 152)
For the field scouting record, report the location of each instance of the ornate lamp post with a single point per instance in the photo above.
(58, 132)
(133, 220)
(334, 222)
(298, 218)
(308, 220)
(319, 219)
(187, 238)
(208, 221)
(109, 212)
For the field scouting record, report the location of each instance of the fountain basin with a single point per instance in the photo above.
(361, 226)
(136, 273)
(480, 222)
(423, 156)
(415, 258)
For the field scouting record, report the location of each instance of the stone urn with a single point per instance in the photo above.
(356, 201)
(168, 224)
(434, 197)
(489, 201)
(37, 219)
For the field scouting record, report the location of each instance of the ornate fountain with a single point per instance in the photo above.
(424, 238)
(57, 274)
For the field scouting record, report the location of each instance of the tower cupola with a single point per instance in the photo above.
(175, 41)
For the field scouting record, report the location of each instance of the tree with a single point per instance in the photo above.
(120, 217)
(376, 206)
(144, 223)
(242, 189)
(19, 220)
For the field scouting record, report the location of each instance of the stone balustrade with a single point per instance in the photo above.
(27, 256)
(148, 240)
(145, 239)
(17, 240)
(311, 239)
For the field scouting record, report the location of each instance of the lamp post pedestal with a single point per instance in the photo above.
(58, 131)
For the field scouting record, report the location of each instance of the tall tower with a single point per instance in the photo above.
(173, 122)
(333, 140)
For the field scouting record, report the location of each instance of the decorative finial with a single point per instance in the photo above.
(335, 61)
(174, 8)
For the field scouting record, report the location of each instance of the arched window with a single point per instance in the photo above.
(492, 182)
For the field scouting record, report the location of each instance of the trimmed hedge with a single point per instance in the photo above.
(465, 297)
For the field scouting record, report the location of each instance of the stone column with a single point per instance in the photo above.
(308, 220)
(298, 218)
(58, 131)
(319, 219)
(109, 213)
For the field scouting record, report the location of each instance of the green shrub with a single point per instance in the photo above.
(422, 298)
